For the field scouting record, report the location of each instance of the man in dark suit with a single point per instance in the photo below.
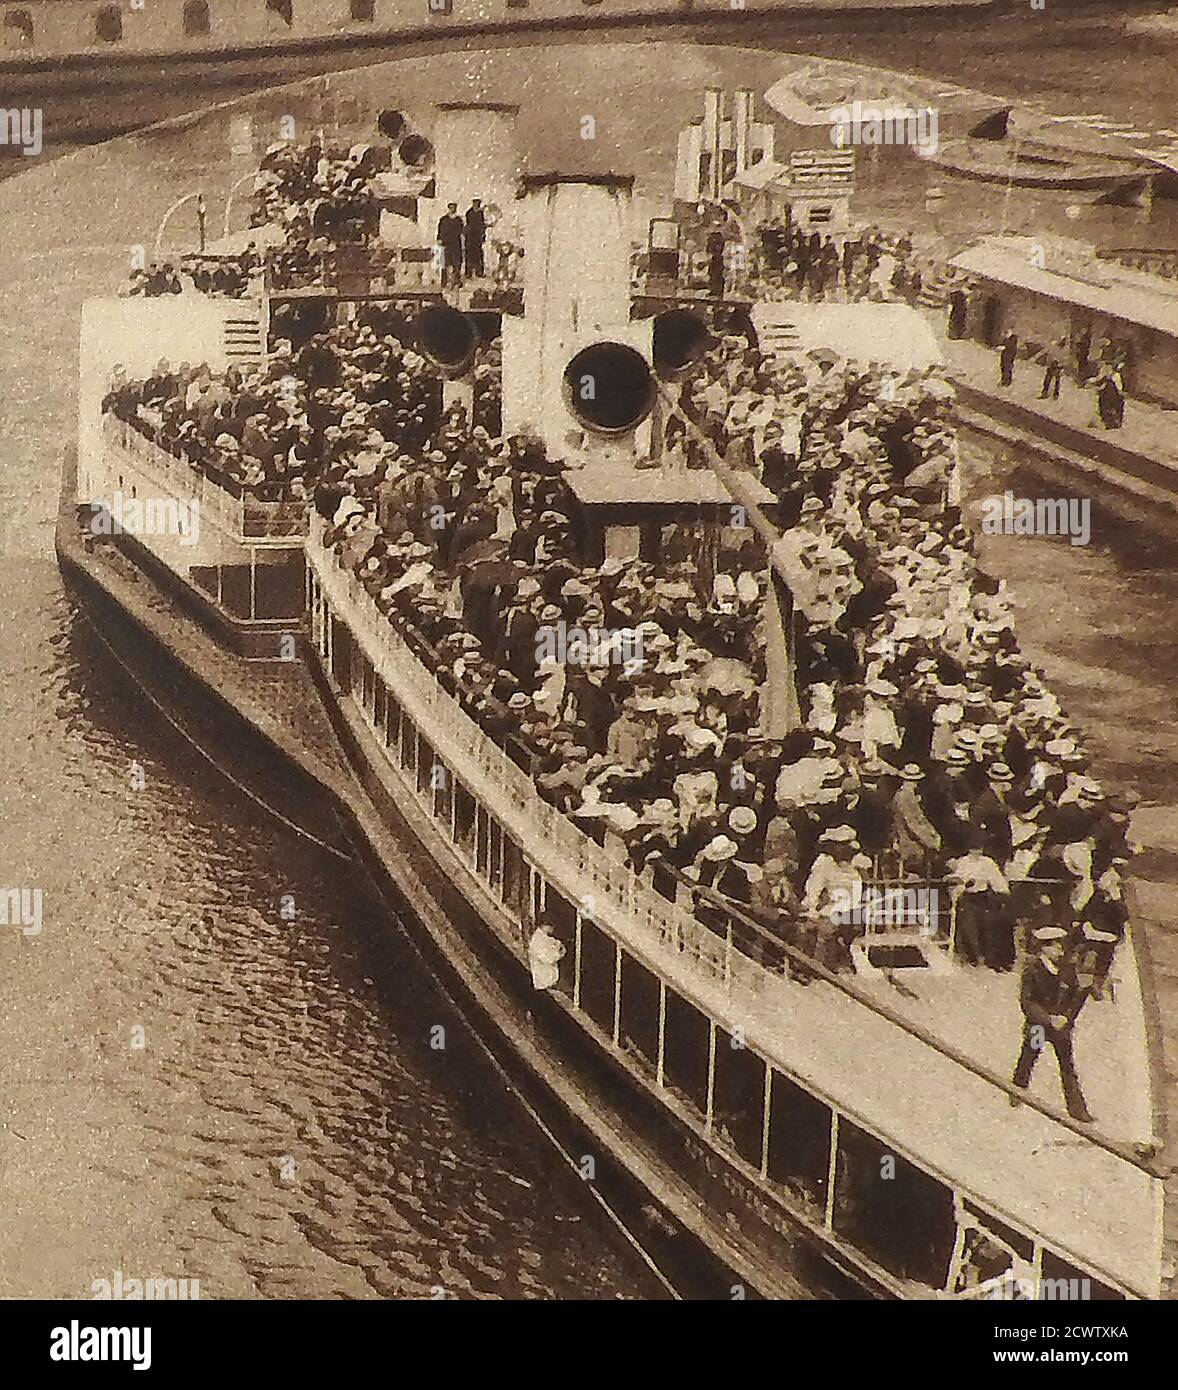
(476, 233)
(1050, 1001)
(450, 230)
(1006, 359)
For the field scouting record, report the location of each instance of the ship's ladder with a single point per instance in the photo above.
(243, 332)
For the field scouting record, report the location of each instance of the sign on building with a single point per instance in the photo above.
(827, 172)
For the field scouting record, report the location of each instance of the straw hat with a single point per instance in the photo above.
(839, 834)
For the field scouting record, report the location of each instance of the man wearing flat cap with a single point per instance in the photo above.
(1050, 998)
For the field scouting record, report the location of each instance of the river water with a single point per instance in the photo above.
(196, 1082)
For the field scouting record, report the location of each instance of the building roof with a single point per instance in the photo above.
(894, 335)
(1073, 274)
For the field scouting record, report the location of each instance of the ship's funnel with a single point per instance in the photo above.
(609, 387)
(477, 157)
(576, 366)
(576, 272)
(446, 337)
(680, 339)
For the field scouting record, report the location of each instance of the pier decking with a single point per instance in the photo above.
(1133, 469)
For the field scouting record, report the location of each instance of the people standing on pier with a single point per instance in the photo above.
(450, 239)
(1054, 356)
(1007, 354)
(1083, 352)
(1110, 398)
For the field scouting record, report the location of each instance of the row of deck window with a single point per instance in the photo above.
(774, 1129)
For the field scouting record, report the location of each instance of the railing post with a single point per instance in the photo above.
(832, 1168)
(766, 1120)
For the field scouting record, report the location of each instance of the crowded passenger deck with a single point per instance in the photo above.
(737, 739)
(929, 805)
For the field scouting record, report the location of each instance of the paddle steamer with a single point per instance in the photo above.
(771, 1120)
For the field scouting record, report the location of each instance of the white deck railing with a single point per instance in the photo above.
(246, 519)
(597, 883)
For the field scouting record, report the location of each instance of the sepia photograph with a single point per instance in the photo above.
(588, 711)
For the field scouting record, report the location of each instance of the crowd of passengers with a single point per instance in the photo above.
(248, 429)
(320, 198)
(909, 668)
(227, 276)
(927, 740)
(793, 262)
(927, 745)
(269, 431)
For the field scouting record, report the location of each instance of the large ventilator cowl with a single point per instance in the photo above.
(446, 337)
(412, 148)
(609, 387)
(680, 339)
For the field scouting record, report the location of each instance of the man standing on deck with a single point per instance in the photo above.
(1050, 1003)
(450, 230)
(475, 235)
